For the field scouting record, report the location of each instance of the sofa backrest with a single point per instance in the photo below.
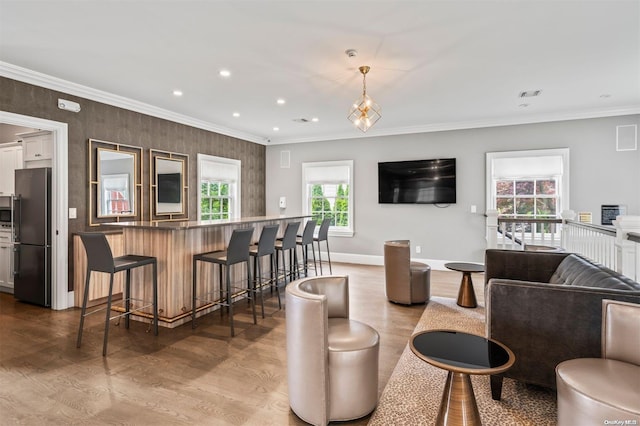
(578, 271)
(536, 266)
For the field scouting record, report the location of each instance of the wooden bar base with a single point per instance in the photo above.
(174, 244)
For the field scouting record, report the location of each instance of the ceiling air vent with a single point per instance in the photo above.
(530, 93)
(301, 120)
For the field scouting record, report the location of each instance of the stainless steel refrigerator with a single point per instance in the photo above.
(32, 234)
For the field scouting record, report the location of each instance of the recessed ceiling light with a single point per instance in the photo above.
(315, 119)
(225, 73)
(605, 95)
(281, 101)
(523, 105)
(236, 114)
(275, 129)
(177, 92)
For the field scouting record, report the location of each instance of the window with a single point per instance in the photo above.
(219, 181)
(328, 193)
(214, 200)
(528, 183)
(527, 197)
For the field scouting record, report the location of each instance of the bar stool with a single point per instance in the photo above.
(323, 235)
(237, 252)
(287, 243)
(266, 246)
(304, 241)
(100, 259)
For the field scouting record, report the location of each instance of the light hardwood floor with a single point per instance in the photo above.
(183, 376)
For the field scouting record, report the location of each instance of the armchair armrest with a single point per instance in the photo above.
(545, 324)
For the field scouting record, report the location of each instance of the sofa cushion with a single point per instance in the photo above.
(578, 271)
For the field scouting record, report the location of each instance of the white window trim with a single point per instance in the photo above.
(333, 230)
(563, 194)
(204, 158)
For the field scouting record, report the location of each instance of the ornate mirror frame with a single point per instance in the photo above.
(95, 215)
(172, 205)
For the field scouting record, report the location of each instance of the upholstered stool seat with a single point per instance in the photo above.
(353, 351)
(597, 390)
(581, 383)
(420, 281)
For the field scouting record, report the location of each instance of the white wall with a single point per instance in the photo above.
(599, 175)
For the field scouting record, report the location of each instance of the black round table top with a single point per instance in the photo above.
(464, 267)
(461, 352)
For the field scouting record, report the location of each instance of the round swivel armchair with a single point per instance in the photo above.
(601, 390)
(332, 361)
(406, 282)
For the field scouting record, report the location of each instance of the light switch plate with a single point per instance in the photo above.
(73, 213)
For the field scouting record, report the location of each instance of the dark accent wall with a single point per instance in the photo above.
(109, 123)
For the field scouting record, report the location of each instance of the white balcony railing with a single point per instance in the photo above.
(617, 247)
(595, 242)
(514, 233)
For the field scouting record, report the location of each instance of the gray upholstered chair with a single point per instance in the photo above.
(406, 282)
(332, 361)
(597, 390)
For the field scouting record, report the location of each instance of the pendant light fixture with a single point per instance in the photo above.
(365, 112)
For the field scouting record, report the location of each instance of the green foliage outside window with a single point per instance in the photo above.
(214, 200)
(330, 201)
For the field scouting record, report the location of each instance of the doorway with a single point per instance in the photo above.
(61, 297)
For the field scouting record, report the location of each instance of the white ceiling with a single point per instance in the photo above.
(435, 65)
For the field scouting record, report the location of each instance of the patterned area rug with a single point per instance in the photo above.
(412, 395)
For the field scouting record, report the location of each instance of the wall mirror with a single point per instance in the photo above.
(115, 175)
(169, 191)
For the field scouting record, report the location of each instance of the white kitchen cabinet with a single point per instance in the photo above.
(10, 160)
(37, 148)
(6, 261)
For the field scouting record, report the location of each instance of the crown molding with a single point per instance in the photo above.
(25, 75)
(43, 80)
(474, 124)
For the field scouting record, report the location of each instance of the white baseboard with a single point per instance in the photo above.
(71, 302)
(364, 259)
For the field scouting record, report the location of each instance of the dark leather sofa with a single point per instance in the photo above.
(547, 308)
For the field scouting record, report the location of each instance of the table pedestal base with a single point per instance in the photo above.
(466, 294)
(458, 406)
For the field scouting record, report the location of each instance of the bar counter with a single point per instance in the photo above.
(174, 244)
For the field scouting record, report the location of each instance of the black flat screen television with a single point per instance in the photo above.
(417, 182)
(169, 187)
